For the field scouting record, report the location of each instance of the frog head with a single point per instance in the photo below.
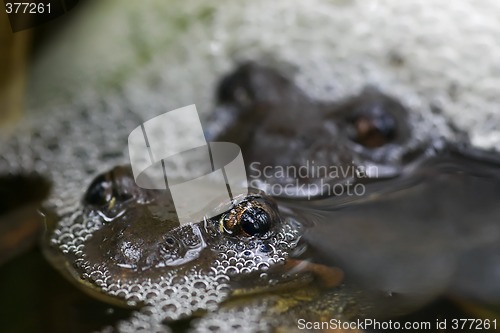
(125, 245)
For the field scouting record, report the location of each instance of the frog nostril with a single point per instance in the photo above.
(169, 241)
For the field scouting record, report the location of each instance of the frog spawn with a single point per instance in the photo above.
(175, 292)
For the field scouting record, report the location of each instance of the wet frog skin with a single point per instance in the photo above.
(123, 245)
(277, 125)
(127, 247)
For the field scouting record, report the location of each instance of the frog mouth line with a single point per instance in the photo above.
(294, 273)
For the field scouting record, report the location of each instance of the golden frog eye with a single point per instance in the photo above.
(252, 217)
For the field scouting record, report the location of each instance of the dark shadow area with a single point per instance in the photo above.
(36, 299)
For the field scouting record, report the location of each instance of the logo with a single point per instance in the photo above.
(216, 176)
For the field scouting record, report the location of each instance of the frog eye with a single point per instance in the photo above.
(374, 131)
(252, 217)
(100, 191)
(255, 222)
(111, 187)
(374, 119)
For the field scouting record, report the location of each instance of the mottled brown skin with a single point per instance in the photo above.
(144, 237)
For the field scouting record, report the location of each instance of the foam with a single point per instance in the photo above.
(433, 55)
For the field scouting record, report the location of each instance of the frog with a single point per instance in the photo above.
(414, 182)
(127, 247)
(198, 260)
(369, 135)
(123, 244)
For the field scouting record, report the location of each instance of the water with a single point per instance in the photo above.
(418, 236)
